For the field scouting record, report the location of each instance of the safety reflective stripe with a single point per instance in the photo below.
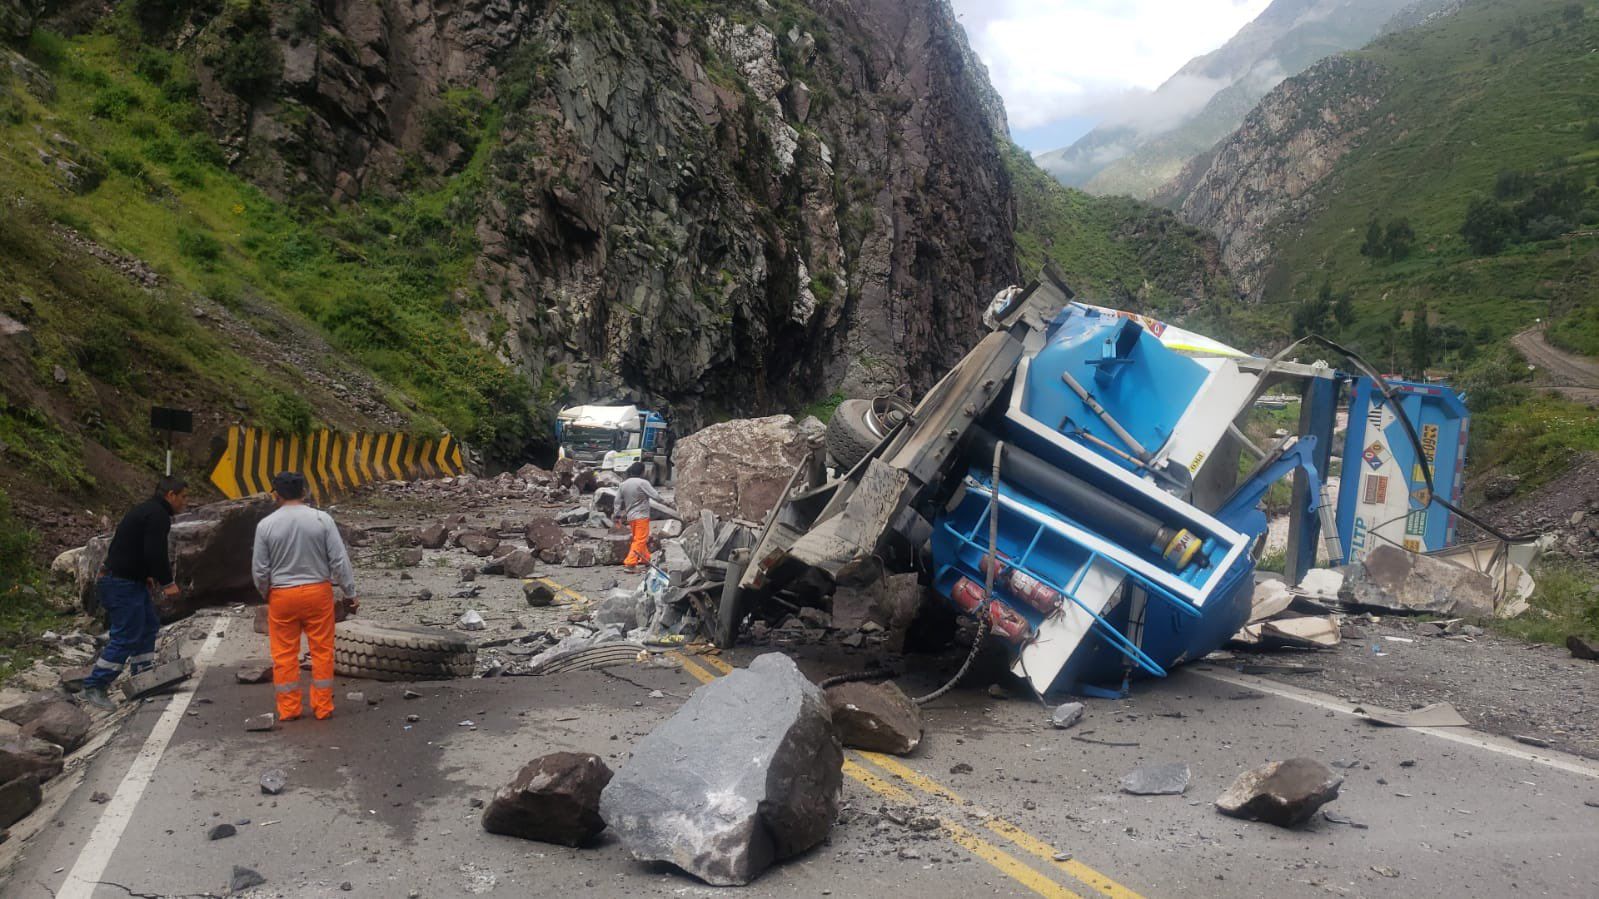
(323, 684)
(285, 688)
(108, 665)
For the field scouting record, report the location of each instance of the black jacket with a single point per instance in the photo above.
(139, 547)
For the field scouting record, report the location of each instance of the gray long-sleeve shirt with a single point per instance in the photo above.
(633, 499)
(299, 545)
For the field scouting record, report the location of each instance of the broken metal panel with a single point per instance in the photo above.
(852, 535)
(1383, 497)
(1318, 414)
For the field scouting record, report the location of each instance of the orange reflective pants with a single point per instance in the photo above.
(638, 552)
(289, 611)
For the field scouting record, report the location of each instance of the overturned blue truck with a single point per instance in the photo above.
(1075, 483)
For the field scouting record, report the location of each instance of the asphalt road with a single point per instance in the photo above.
(386, 806)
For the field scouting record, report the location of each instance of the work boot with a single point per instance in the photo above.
(96, 696)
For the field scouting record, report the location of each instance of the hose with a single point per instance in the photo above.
(983, 622)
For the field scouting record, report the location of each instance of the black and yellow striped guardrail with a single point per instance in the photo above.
(333, 463)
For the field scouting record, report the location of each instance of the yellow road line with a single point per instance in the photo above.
(566, 591)
(1021, 838)
(962, 837)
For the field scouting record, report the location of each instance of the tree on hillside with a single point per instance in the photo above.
(1310, 317)
(1372, 247)
(1398, 239)
(1488, 226)
(1420, 341)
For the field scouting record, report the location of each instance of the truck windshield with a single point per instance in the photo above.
(591, 440)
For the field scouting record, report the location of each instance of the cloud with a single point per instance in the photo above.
(1054, 59)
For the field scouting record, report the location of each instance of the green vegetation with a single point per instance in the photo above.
(24, 613)
(381, 277)
(1468, 196)
(824, 408)
(1112, 250)
(1565, 602)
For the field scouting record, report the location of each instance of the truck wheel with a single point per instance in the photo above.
(364, 649)
(849, 433)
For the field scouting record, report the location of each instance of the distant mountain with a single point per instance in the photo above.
(1154, 135)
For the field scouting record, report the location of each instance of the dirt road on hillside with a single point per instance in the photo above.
(1576, 377)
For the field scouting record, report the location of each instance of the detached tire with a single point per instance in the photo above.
(378, 652)
(850, 435)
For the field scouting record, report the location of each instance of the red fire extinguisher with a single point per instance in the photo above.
(1002, 619)
(1025, 587)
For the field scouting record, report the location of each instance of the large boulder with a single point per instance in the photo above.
(210, 549)
(1398, 581)
(875, 717)
(547, 540)
(747, 773)
(29, 755)
(554, 798)
(1282, 793)
(19, 797)
(737, 469)
(62, 723)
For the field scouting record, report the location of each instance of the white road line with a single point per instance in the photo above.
(1463, 735)
(96, 853)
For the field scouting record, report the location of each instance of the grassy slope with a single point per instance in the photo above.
(1469, 98)
(1498, 86)
(378, 277)
(1111, 249)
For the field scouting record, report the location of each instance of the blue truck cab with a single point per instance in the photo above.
(612, 438)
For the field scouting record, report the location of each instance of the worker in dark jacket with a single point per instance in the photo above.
(135, 565)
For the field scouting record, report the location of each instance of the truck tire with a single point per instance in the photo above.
(849, 433)
(364, 649)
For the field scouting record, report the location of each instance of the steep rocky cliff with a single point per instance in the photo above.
(1259, 183)
(721, 208)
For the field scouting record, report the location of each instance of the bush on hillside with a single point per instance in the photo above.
(1488, 227)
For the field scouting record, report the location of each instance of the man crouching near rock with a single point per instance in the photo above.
(135, 564)
(299, 556)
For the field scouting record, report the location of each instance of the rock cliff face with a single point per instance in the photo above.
(1262, 180)
(715, 207)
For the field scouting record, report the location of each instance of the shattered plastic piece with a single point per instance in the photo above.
(1439, 714)
(1157, 780)
(1284, 793)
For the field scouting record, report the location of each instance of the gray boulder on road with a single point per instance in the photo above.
(1284, 793)
(554, 798)
(764, 782)
(1391, 578)
(876, 717)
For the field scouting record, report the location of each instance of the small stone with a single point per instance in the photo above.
(538, 594)
(875, 717)
(346, 886)
(254, 672)
(410, 694)
(1385, 871)
(412, 719)
(355, 696)
(1066, 714)
(221, 832)
(424, 595)
(243, 879)
(410, 558)
(960, 768)
(554, 798)
(100, 798)
(273, 781)
(475, 802)
(468, 575)
(1583, 648)
(1168, 779)
(471, 621)
(264, 721)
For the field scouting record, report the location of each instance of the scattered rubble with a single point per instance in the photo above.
(254, 672)
(1284, 793)
(554, 799)
(875, 717)
(471, 620)
(55, 720)
(262, 722)
(29, 755)
(19, 797)
(765, 784)
(1169, 779)
(243, 879)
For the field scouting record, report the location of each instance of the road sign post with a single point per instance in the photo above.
(172, 421)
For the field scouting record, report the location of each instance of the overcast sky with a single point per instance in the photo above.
(1062, 65)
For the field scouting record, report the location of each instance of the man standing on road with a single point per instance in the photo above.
(633, 501)
(299, 556)
(135, 564)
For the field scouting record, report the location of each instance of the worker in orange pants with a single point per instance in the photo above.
(299, 556)
(633, 503)
(290, 610)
